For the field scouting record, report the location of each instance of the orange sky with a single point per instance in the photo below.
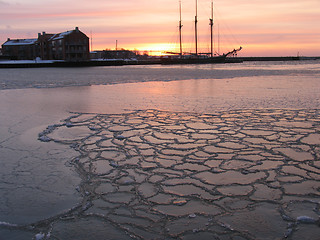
(263, 28)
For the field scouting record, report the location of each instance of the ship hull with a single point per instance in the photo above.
(217, 59)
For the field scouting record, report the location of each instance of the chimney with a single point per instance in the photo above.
(8, 39)
(39, 35)
(77, 29)
(43, 33)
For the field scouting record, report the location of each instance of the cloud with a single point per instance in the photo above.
(3, 2)
(141, 22)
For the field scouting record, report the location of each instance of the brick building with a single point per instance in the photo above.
(44, 46)
(69, 46)
(20, 49)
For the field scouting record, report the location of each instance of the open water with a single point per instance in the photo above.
(225, 151)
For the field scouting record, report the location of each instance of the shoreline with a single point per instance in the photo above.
(122, 62)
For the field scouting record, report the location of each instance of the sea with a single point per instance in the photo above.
(204, 88)
(209, 151)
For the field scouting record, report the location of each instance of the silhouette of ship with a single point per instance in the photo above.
(198, 58)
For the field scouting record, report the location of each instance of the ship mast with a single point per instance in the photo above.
(180, 29)
(196, 27)
(211, 28)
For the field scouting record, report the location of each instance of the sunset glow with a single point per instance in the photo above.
(268, 28)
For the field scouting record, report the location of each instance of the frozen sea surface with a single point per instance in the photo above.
(62, 77)
(263, 129)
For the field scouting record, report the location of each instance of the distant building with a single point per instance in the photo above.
(96, 55)
(69, 46)
(20, 49)
(119, 54)
(113, 54)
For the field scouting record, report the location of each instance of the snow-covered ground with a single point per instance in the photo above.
(24, 61)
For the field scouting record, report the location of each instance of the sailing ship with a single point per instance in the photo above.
(198, 58)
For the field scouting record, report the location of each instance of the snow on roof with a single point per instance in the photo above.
(61, 35)
(20, 42)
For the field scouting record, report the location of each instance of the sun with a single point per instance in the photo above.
(158, 49)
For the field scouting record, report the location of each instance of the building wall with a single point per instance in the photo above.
(20, 52)
(69, 46)
(75, 47)
(44, 48)
(56, 49)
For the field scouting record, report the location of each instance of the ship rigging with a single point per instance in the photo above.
(210, 56)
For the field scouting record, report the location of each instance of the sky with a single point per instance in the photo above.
(262, 28)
